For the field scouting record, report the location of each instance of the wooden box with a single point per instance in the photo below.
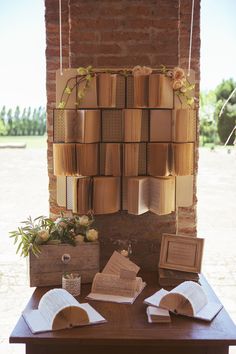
(47, 269)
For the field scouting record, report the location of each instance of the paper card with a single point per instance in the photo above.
(181, 253)
(117, 262)
(127, 274)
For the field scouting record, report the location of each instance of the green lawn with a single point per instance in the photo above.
(31, 141)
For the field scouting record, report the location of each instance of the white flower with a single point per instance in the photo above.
(79, 238)
(92, 235)
(43, 235)
(84, 220)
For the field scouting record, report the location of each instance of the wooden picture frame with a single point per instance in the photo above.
(181, 253)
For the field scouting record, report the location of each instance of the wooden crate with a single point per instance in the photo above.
(47, 269)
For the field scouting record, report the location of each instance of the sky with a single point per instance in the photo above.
(22, 40)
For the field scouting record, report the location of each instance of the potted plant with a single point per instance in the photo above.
(49, 247)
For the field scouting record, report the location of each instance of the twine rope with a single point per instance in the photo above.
(60, 38)
(190, 40)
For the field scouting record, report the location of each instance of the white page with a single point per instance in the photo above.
(36, 321)
(209, 311)
(154, 300)
(194, 293)
(94, 316)
(53, 302)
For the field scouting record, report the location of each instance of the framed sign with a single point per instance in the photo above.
(181, 253)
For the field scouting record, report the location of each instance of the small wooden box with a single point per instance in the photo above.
(47, 269)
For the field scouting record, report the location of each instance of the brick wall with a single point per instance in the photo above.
(123, 33)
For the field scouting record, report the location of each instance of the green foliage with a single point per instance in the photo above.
(15, 123)
(43, 230)
(227, 120)
(208, 125)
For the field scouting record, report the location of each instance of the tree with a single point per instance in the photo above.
(226, 119)
(208, 125)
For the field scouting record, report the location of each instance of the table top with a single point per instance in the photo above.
(127, 324)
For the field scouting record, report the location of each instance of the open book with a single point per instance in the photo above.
(160, 91)
(107, 84)
(102, 194)
(87, 159)
(110, 159)
(159, 159)
(149, 193)
(188, 299)
(117, 282)
(183, 159)
(82, 126)
(135, 123)
(64, 159)
(134, 159)
(58, 309)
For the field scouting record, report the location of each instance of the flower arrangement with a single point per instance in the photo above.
(42, 230)
(180, 83)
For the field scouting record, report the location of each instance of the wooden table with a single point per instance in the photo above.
(127, 330)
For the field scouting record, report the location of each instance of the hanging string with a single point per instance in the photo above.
(190, 40)
(60, 36)
(223, 107)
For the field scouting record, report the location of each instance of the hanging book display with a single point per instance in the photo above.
(124, 140)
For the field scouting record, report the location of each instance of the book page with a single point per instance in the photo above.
(131, 159)
(158, 159)
(112, 125)
(184, 121)
(184, 191)
(117, 262)
(111, 284)
(183, 159)
(141, 90)
(138, 195)
(162, 195)
(64, 161)
(90, 98)
(71, 125)
(132, 124)
(87, 159)
(194, 293)
(111, 159)
(116, 298)
(92, 126)
(55, 301)
(106, 195)
(59, 310)
(107, 90)
(154, 300)
(160, 125)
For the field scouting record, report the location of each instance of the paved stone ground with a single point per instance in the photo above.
(23, 192)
